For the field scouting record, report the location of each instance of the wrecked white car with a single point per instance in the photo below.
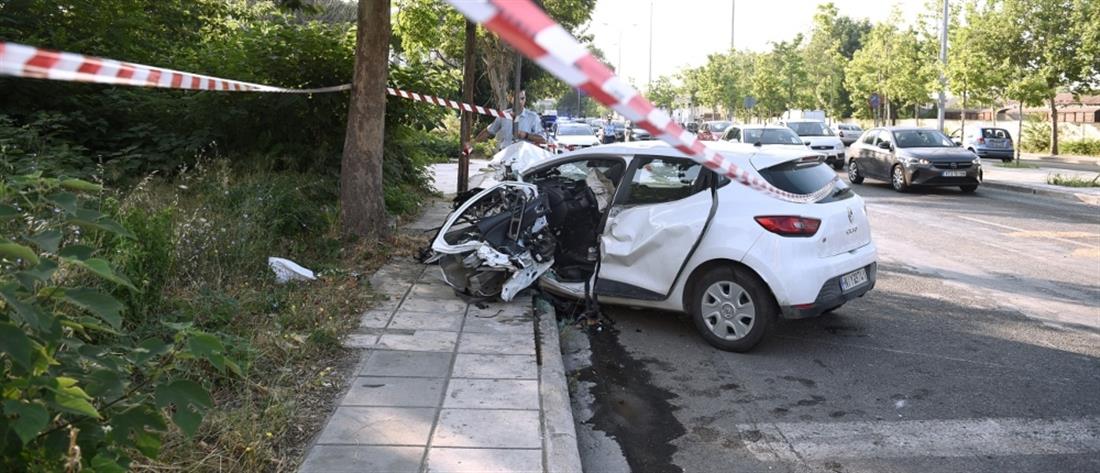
(642, 225)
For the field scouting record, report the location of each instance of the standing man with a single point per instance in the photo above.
(529, 127)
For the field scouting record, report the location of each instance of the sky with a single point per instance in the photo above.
(686, 31)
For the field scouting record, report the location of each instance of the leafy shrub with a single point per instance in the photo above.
(1073, 181)
(78, 386)
(1036, 136)
(1083, 147)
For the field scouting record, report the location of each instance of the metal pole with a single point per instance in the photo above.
(943, 62)
(649, 79)
(468, 78)
(733, 18)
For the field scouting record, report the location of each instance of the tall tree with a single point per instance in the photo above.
(662, 93)
(825, 63)
(362, 206)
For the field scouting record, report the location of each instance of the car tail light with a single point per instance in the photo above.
(788, 225)
(981, 140)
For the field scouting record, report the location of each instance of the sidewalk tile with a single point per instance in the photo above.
(500, 324)
(492, 394)
(482, 460)
(496, 343)
(356, 459)
(433, 290)
(361, 340)
(495, 366)
(379, 426)
(433, 276)
(375, 318)
(422, 303)
(420, 340)
(443, 321)
(406, 363)
(487, 429)
(516, 308)
(394, 392)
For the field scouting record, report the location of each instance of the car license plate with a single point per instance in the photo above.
(853, 279)
(954, 173)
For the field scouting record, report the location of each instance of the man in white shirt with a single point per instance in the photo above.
(528, 128)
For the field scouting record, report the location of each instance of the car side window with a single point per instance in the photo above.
(884, 135)
(869, 137)
(661, 179)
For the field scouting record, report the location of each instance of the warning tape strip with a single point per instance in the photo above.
(20, 60)
(527, 28)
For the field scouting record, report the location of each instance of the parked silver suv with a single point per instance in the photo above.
(986, 142)
(848, 132)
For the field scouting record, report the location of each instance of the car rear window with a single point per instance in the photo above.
(804, 178)
(994, 133)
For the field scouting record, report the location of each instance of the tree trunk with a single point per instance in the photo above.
(498, 60)
(1019, 132)
(962, 127)
(993, 114)
(1053, 127)
(362, 205)
(466, 128)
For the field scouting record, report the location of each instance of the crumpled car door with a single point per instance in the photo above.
(496, 242)
(652, 231)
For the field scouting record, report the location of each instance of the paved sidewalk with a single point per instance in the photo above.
(1034, 181)
(442, 386)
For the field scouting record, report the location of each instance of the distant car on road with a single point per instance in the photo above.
(548, 121)
(819, 137)
(986, 142)
(764, 135)
(848, 133)
(908, 157)
(713, 130)
(574, 136)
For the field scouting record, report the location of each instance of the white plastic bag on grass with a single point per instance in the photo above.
(287, 270)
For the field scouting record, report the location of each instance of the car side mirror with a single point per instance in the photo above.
(957, 141)
(807, 143)
(885, 145)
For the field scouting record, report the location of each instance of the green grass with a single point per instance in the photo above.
(1017, 165)
(1073, 181)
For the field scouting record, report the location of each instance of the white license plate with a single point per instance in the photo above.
(954, 173)
(853, 279)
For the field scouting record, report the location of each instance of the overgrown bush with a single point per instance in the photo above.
(1083, 147)
(1036, 137)
(80, 387)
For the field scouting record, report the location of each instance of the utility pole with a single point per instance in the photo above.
(733, 18)
(468, 78)
(943, 62)
(649, 79)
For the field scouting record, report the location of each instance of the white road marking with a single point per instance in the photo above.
(816, 441)
(1006, 227)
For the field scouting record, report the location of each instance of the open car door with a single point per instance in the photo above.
(657, 220)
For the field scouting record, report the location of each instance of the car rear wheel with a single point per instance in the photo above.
(732, 309)
(853, 173)
(969, 188)
(897, 180)
(838, 164)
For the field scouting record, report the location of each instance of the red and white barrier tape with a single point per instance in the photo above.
(528, 29)
(449, 103)
(27, 61)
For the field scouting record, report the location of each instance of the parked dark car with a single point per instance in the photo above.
(907, 157)
(986, 142)
(548, 121)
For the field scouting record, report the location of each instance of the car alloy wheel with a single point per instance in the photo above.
(853, 173)
(728, 310)
(898, 179)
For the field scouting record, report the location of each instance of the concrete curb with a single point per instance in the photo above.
(1061, 159)
(559, 435)
(1068, 196)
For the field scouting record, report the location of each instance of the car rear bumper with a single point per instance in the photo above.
(999, 153)
(831, 296)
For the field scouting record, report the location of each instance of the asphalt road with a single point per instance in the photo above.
(978, 351)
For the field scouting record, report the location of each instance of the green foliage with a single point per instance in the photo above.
(72, 369)
(1073, 181)
(1083, 147)
(1036, 137)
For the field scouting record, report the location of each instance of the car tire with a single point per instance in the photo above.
(1006, 160)
(838, 164)
(897, 179)
(853, 173)
(732, 308)
(969, 188)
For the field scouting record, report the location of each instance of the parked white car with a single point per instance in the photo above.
(642, 225)
(764, 135)
(819, 137)
(574, 136)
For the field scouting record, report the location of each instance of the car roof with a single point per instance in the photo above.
(906, 128)
(762, 127)
(804, 120)
(740, 152)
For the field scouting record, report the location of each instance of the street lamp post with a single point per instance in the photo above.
(649, 78)
(940, 115)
